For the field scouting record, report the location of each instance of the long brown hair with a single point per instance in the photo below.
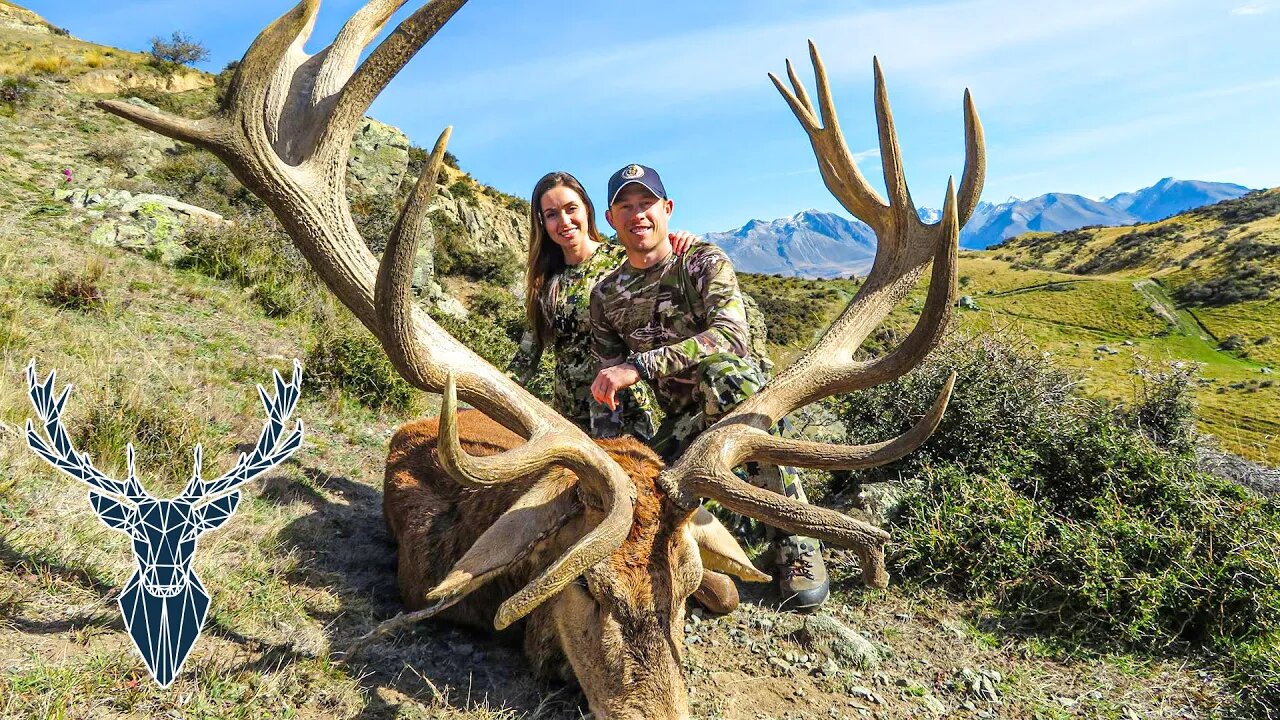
(545, 256)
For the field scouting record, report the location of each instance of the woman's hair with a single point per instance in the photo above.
(545, 256)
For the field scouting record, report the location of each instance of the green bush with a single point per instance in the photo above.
(179, 49)
(1063, 514)
(455, 256)
(346, 357)
(196, 176)
(163, 429)
(16, 92)
(254, 253)
(1164, 407)
(463, 189)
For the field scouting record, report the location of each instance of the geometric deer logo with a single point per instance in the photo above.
(164, 604)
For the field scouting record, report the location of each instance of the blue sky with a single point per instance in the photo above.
(1088, 97)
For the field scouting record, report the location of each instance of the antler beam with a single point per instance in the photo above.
(285, 132)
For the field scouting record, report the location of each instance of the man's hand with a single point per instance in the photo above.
(611, 380)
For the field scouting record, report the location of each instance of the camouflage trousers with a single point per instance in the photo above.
(724, 381)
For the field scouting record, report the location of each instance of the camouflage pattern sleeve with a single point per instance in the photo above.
(727, 330)
(608, 349)
(607, 346)
(524, 364)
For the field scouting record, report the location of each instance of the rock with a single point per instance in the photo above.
(141, 103)
(379, 159)
(933, 704)
(150, 204)
(982, 684)
(830, 638)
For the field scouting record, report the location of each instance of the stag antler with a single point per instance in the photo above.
(904, 246)
(285, 132)
(62, 455)
(267, 453)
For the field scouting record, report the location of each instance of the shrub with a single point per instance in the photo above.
(1065, 516)
(454, 255)
(49, 64)
(222, 82)
(254, 253)
(347, 358)
(197, 177)
(1239, 282)
(463, 189)
(498, 307)
(113, 150)
(179, 49)
(16, 92)
(1164, 407)
(79, 290)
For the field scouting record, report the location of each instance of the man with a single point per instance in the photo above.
(679, 324)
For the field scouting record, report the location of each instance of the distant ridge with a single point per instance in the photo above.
(819, 244)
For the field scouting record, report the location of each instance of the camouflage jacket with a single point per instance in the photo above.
(668, 318)
(565, 302)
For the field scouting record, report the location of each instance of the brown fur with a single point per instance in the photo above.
(619, 627)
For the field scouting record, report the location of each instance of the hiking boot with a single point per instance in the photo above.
(802, 578)
(717, 593)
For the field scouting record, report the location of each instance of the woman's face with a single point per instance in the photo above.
(564, 215)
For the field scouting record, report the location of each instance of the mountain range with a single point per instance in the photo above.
(819, 244)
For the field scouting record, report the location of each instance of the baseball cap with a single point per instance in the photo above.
(640, 174)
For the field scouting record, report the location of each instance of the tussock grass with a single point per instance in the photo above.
(80, 291)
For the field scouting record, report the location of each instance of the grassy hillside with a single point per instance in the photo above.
(1199, 287)
(166, 354)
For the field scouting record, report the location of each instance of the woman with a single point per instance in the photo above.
(567, 256)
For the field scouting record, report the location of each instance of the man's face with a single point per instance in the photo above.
(640, 217)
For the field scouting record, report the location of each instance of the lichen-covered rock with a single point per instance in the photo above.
(379, 159)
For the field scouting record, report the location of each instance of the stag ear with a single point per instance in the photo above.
(113, 513)
(212, 515)
(719, 551)
(538, 514)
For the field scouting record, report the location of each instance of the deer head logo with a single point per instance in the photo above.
(164, 604)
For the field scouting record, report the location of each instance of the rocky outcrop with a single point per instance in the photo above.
(116, 81)
(13, 17)
(379, 160)
(151, 225)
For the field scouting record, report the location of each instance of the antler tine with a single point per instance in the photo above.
(373, 75)
(904, 246)
(59, 451)
(606, 481)
(975, 161)
(341, 57)
(393, 290)
(903, 211)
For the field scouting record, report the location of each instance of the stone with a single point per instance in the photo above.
(141, 103)
(379, 159)
(827, 636)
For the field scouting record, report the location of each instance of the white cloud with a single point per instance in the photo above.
(866, 155)
(1250, 9)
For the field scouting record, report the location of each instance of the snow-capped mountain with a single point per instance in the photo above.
(823, 245)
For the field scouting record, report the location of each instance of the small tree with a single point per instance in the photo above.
(179, 49)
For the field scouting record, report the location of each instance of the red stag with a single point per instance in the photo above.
(509, 513)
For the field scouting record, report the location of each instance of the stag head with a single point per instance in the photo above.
(624, 547)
